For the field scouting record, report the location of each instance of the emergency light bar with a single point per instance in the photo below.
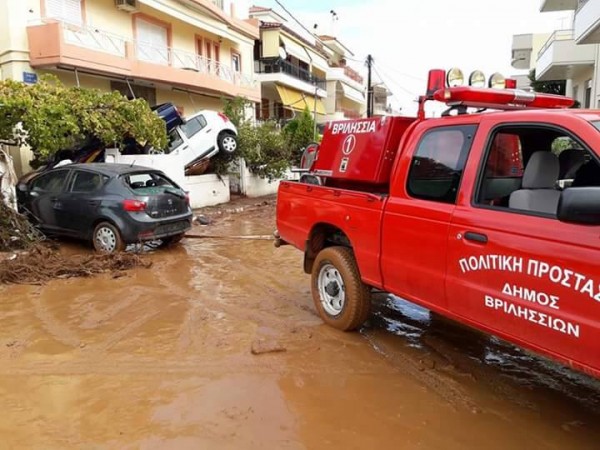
(500, 98)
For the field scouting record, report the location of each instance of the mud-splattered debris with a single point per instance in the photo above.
(261, 347)
(202, 220)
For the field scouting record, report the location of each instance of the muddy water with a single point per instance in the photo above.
(161, 359)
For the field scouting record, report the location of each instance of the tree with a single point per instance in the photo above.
(557, 87)
(50, 117)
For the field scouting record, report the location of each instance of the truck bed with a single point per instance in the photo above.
(302, 208)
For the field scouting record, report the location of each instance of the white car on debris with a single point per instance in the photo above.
(198, 137)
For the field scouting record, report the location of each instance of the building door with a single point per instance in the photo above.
(152, 42)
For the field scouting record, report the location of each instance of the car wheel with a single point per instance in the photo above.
(227, 142)
(341, 298)
(107, 238)
(171, 240)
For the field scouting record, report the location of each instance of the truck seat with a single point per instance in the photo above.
(537, 191)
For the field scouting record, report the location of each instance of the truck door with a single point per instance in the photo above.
(513, 268)
(419, 209)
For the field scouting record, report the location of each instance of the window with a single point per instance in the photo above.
(438, 163)
(87, 181)
(52, 182)
(67, 10)
(526, 167)
(236, 62)
(152, 42)
(193, 126)
(137, 181)
(175, 140)
(145, 92)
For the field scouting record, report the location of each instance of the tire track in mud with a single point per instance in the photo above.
(431, 378)
(55, 327)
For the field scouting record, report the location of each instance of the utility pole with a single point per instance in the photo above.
(369, 87)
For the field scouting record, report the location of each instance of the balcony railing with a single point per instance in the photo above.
(95, 40)
(102, 41)
(280, 66)
(558, 35)
(353, 74)
(349, 113)
(181, 59)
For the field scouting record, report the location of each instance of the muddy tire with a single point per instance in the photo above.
(227, 142)
(341, 298)
(171, 240)
(107, 238)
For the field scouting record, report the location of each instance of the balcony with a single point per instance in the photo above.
(291, 75)
(558, 5)
(587, 23)
(346, 75)
(59, 45)
(522, 48)
(561, 58)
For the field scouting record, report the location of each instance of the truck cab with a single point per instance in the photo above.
(489, 218)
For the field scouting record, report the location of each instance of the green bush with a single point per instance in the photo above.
(262, 146)
(298, 133)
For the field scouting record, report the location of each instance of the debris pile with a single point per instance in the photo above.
(41, 263)
(16, 232)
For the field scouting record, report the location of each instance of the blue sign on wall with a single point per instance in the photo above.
(29, 77)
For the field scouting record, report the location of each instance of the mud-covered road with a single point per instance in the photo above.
(161, 358)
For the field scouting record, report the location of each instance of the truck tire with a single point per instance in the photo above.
(341, 298)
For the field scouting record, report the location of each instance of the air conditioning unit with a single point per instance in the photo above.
(127, 5)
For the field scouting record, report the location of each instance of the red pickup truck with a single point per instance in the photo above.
(489, 218)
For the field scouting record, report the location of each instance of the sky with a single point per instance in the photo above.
(408, 37)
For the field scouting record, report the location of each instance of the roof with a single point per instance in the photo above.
(325, 38)
(277, 25)
(106, 168)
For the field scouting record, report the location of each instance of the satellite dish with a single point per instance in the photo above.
(282, 53)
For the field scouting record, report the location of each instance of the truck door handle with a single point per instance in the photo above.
(476, 237)
(93, 202)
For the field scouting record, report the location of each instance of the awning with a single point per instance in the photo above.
(291, 98)
(294, 49)
(298, 101)
(310, 101)
(318, 61)
(353, 94)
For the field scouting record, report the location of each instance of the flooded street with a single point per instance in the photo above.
(162, 358)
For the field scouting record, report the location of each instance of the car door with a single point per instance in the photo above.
(418, 213)
(44, 198)
(523, 274)
(199, 137)
(80, 202)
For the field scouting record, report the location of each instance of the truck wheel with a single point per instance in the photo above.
(340, 296)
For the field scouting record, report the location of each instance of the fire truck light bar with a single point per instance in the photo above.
(469, 96)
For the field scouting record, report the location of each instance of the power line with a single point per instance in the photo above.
(402, 88)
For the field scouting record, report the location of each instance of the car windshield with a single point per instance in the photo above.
(150, 183)
(596, 124)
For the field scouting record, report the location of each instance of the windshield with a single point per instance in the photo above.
(150, 183)
(596, 124)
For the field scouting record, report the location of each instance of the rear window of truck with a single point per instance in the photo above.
(438, 163)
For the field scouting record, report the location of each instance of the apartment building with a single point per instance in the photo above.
(572, 54)
(189, 52)
(299, 70)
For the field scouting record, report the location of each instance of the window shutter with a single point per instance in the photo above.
(67, 10)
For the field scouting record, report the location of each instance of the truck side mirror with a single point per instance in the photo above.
(580, 205)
